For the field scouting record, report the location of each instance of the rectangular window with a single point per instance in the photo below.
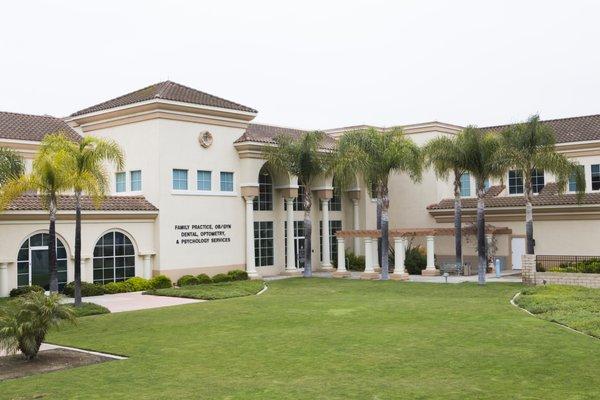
(120, 178)
(298, 243)
(334, 226)
(335, 203)
(226, 181)
(180, 179)
(596, 177)
(515, 182)
(572, 181)
(263, 243)
(204, 180)
(264, 200)
(135, 178)
(465, 184)
(537, 180)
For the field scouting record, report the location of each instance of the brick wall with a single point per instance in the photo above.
(531, 277)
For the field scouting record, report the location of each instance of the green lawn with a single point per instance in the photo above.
(213, 291)
(329, 339)
(574, 306)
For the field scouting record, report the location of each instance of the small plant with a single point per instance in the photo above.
(204, 279)
(87, 309)
(25, 321)
(218, 278)
(137, 284)
(188, 280)
(87, 289)
(355, 263)
(238, 275)
(160, 282)
(116, 287)
(26, 289)
(416, 260)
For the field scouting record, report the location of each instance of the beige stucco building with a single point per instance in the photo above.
(196, 197)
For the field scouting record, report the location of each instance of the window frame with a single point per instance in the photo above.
(221, 186)
(516, 178)
(595, 174)
(465, 190)
(131, 180)
(263, 243)
(174, 179)
(117, 183)
(113, 256)
(198, 180)
(264, 200)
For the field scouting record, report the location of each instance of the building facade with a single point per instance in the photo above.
(196, 196)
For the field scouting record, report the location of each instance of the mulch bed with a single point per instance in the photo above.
(16, 366)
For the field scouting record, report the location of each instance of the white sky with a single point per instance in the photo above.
(311, 64)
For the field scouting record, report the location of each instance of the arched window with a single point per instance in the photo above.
(264, 201)
(33, 262)
(114, 258)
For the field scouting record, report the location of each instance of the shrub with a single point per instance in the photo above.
(160, 282)
(25, 321)
(87, 309)
(204, 279)
(354, 262)
(238, 275)
(415, 260)
(26, 289)
(222, 278)
(116, 287)
(137, 284)
(188, 280)
(87, 289)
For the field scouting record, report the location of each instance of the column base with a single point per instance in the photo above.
(326, 268)
(341, 274)
(430, 272)
(292, 272)
(369, 275)
(399, 277)
(254, 275)
(377, 269)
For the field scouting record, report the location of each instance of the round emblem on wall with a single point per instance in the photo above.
(205, 139)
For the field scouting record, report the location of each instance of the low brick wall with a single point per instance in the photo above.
(532, 277)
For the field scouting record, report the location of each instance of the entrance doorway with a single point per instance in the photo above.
(518, 250)
(33, 262)
(40, 272)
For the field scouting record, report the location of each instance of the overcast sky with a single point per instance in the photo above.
(311, 64)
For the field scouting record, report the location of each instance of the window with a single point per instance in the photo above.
(596, 177)
(298, 201)
(298, 243)
(263, 243)
(114, 258)
(264, 201)
(572, 180)
(203, 180)
(120, 180)
(32, 262)
(226, 181)
(334, 226)
(335, 203)
(465, 184)
(515, 182)
(486, 184)
(180, 179)
(537, 180)
(135, 178)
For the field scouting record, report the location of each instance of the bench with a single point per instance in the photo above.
(452, 268)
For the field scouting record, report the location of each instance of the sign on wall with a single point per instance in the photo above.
(203, 234)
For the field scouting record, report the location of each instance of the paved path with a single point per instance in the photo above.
(135, 301)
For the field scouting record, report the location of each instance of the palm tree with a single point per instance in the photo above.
(11, 165)
(446, 156)
(375, 155)
(483, 162)
(530, 146)
(49, 178)
(305, 159)
(86, 162)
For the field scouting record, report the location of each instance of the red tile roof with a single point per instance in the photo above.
(32, 127)
(267, 133)
(30, 202)
(547, 197)
(167, 91)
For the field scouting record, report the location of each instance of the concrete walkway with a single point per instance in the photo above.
(135, 301)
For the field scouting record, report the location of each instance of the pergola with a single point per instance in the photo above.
(400, 238)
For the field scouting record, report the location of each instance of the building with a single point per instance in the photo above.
(196, 197)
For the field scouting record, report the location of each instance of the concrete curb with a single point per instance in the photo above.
(264, 289)
(512, 301)
(50, 346)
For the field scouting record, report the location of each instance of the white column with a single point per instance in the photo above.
(375, 253)
(250, 267)
(489, 240)
(326, 256)
(356, 227)
(369, 260)
(4, 279)
(399, 251)
(341, 256)
(147, 273)
(291, 252)
(430, 252)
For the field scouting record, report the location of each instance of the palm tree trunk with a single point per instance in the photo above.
(78, 249)
(307, 232)
(529, 223)
(481, 245)
(384, 245)
(457, 221)
(379, 240)
(52, 248)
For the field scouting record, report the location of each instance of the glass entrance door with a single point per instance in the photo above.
(40, 274)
